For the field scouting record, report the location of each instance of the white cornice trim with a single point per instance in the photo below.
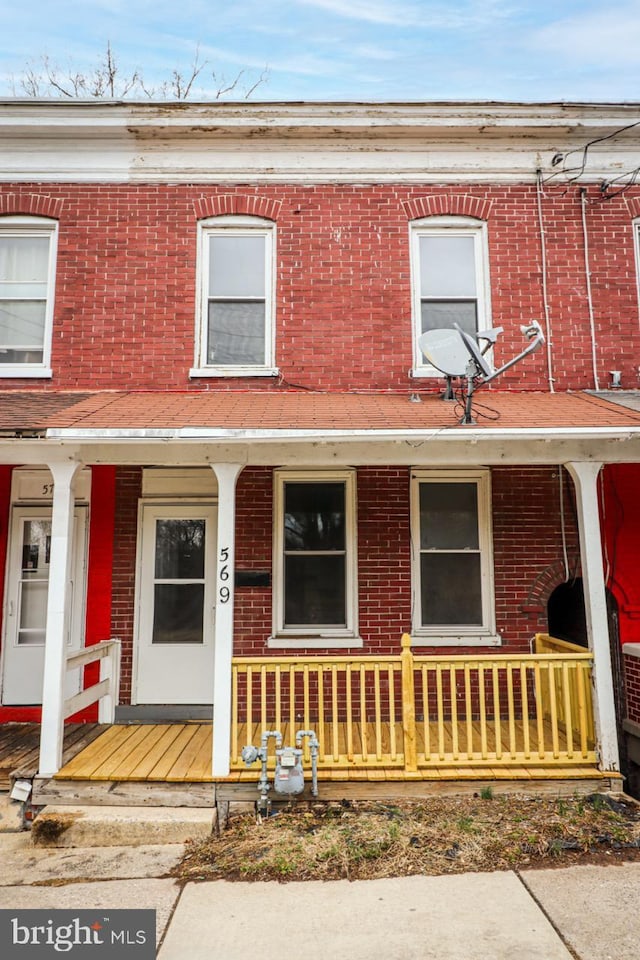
(305, 142)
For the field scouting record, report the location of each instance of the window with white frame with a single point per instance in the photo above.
(636, 228)
(315, 556)
(449, 266)
(235, 303)
(27, 277)
(452, 556)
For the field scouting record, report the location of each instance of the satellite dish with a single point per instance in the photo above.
(473, 352)
(446, 351)
(456, 354)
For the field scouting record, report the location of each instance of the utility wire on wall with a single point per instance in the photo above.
(587, 271)
(545, 297)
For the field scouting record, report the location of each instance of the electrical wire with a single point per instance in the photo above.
(572, 174)
(563, 530)
(587, 271)
(545, 291)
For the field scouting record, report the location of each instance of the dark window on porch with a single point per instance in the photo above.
(314, 554)
(450, 560)
(179, 581)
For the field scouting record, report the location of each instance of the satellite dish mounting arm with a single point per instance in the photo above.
(478, 367)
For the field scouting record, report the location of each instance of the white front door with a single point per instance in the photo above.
(25, 613)
(175, 610)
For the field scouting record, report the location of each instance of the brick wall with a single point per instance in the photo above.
(526, 541)
(125, 290)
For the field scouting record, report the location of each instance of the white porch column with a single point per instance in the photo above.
(585, 478)
(58, 616)
(226, 475)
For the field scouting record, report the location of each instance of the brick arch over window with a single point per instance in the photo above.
(30, 204)
(457, 205)
(633, 206)
(232, 204)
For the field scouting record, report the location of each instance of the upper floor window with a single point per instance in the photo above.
(452, 563)
(235, 304)
(315, 594)
(27, 276)
(450, 279)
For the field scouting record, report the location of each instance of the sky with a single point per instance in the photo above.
(341, 50)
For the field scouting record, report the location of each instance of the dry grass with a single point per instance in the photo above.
(435, 836)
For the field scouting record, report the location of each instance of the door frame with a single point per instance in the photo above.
(149, 510)
(76, 628)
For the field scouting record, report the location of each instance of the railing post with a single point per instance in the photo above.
(110, 670)
(408, 705)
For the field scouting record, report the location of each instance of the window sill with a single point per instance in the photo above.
(234, 372)
(314, 643)
(423, 372)
(421, 639)
(16, 370)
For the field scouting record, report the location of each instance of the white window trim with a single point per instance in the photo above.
(456, 635)
(636, 247)
(239, 225)
(317, 637)
(35, 226)
(448, 226)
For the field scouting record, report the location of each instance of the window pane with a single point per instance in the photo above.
(236, 266)
(33, 608)
(34, 588)
(442, 314)
(448, 516)
(21, 356)
(23, 291)
(180, 549)
(447, 266)
(314, 516)
(236, 333)
(178, 613)
(314, 591)
(36, 547)
(451, 589)
(24, 258)
(22, 323)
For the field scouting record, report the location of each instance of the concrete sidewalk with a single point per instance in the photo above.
(585, 912)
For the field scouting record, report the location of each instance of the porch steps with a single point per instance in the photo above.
(109, 826)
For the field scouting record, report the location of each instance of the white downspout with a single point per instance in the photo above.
(226, 475)
(58, 617)
(585, 478)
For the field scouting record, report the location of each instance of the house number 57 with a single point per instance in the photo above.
(224, 593)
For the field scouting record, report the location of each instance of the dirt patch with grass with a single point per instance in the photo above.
(369, 840)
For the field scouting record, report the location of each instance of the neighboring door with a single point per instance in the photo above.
(176, 582)
(27, 587)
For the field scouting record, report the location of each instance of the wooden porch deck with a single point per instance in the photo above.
(181, 753)
(20, 746)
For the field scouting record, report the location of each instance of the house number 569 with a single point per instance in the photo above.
(224, 594)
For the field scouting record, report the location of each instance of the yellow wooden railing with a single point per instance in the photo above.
(408, 712)
(563, 697)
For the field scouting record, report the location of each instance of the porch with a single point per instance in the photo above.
(394, 720)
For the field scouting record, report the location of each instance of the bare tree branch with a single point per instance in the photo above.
(106, 80)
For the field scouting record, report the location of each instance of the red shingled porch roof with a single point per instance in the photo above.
(288, 410)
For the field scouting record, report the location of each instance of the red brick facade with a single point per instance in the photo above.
(125, 306)
(126, 280)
